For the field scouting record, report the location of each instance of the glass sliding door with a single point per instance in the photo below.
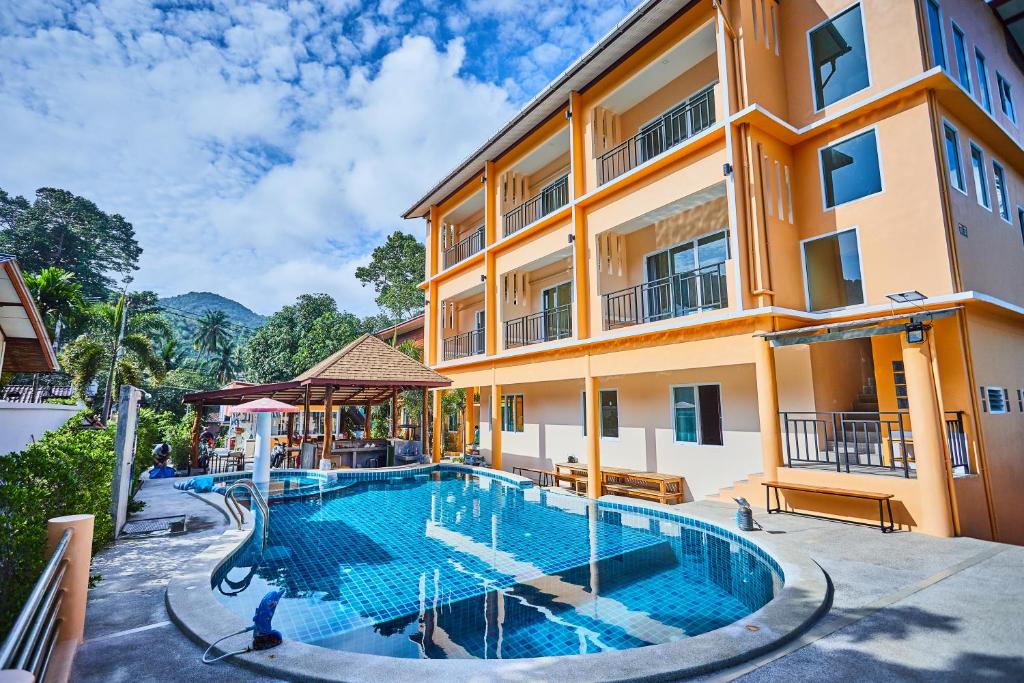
(557, 309)
(683, 279)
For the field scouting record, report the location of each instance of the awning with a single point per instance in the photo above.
(855, 329)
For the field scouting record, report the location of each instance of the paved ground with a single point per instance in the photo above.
(906, 606)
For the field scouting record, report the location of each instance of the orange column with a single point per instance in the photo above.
(768, 409)
(581, 276)
(496, 426)
(438, 442)
(592, 407)
(929, 447)
(75, 583)
(468, 418)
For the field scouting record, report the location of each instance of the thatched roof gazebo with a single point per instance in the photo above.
(366, 373)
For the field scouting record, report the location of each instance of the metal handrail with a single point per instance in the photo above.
(256, 496)
(692, 291)
(30, 643)
(551, 197)
(462, 345)
(554, 323)
(464, 248)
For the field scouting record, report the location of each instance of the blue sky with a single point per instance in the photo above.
(262, 149)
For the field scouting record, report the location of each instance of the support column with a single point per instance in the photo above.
(496, 426)
(438, 441)
(196, 425)
(394, 413)
(768, 409)
(592, 407)
(424, 444)
(261, 460)
(929, 449)
(305, 416)
(291, 429)
(328, 422)
(468, 418)
(367, 421)
(75, 583)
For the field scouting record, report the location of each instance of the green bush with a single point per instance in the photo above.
(178, 435)
(68, 471)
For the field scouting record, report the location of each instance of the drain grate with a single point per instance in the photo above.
(152, 525)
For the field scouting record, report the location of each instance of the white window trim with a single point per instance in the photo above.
(699, 443)
(1000, 79)
(1005, 398)
(821, 169)
(959, 148)
(984, 170)
(867, 55)
(1008, 219)
(942, 33)
(984, 83)
(600, 422)
(967, 60)
(803, 269)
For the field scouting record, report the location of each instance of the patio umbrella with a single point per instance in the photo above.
(263, 407)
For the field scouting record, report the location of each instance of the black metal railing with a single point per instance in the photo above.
(461, 345)
(552, 197)
(464, 248)
(863, 442)
(701, 289)
(30, 643)
(683, 122)
(549, 325)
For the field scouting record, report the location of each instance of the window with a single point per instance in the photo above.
(1002, 200)
(980, 177)
(995, 400)
(1006, 97)
(453, 422)
(960, 52)
(697, 414)
(899, 379)
(850, 169)
(1020, 221)
(609, 413)
(512, 413)
(832, 271)
(1020, 400)
(938, 46)
(984, 96)
(953, 162)
(839, 60)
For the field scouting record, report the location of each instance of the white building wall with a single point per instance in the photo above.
(21, 423)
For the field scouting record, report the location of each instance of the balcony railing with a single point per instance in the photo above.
(549, 325)
(702, 289)
(683, 122)
(864, 442)
(552, 197)
(461, 345)
(464, 248)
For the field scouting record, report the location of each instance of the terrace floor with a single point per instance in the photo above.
(906, 606)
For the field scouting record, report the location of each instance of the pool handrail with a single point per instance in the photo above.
(255, 495)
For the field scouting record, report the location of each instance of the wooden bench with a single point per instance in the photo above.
(542, 475)
(882, 499)
(644, 492)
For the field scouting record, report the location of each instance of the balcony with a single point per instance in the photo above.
(549, 325)
(552, 197)
(684, 293)
(694, 115)
(465, 248)
(463, 345)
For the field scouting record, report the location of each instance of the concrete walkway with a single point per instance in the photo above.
(906, 606)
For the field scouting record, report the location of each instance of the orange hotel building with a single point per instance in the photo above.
(741, 240)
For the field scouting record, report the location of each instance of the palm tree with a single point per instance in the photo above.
(171, 354)
(58, 297)
(213, 334)
(126, 358)
(226, 364)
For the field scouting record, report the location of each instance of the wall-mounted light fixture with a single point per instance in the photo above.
(483, 278)
(726, 169)
(572, 238)
(915, 332)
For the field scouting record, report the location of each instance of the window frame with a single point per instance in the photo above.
(821, 167)
(1020, 221)
(942, 34)
(1000, 82)
(984, 94)
(513, 430)
(810, 55)
(803, 269)
(696, 413)
(966, 72)
(947, 126)
(983, 183)
(600, 414)
(1004, 397)
(1002, 193)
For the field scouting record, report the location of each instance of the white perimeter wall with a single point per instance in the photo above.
(21, 422)
(553, 427)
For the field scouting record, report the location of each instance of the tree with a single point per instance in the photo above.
(63, 230)
(327, 334)
(171, 354)
(395, 269)
(213, 334)
(226, 364)
(101, 350)
(58, 297)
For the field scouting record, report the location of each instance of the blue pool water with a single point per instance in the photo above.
(450, 565)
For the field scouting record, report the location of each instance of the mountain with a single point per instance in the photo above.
(185, 310)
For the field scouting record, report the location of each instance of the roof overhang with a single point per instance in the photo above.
(1011, 14)
(27, 343)
(633, 31)
(856, 329)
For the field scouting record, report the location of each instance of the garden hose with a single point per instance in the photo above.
(227, 654)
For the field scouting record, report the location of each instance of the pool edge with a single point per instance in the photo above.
(804, 598)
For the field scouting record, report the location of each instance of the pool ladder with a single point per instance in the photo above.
(256, 496)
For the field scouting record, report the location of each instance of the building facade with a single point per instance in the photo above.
(745, 240)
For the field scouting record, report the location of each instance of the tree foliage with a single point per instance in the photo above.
(395, 269)
(60, 229)
(58, 297)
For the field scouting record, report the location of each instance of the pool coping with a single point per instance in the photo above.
(805, 596)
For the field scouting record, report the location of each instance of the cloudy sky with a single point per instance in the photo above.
(263, 149)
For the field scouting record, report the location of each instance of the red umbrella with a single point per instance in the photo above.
(262, 405)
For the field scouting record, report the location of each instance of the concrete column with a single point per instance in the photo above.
(592, 410)
(929, 451)
(75, 583)
(261, 461)
(768, 409)
(438, 445)
(496, 426)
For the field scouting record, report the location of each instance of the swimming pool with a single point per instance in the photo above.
(450, 565)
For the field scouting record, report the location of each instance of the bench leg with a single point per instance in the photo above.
(892, 522)
(881, 517)
(768, 499)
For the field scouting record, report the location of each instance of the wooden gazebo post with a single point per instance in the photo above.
(328, 421)
(305, 417)
(196, 423)
(394, 413)
(291, 429)
(367, 422)
(425, 444)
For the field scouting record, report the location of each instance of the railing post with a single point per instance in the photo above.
(75, 586)
(835, 440)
